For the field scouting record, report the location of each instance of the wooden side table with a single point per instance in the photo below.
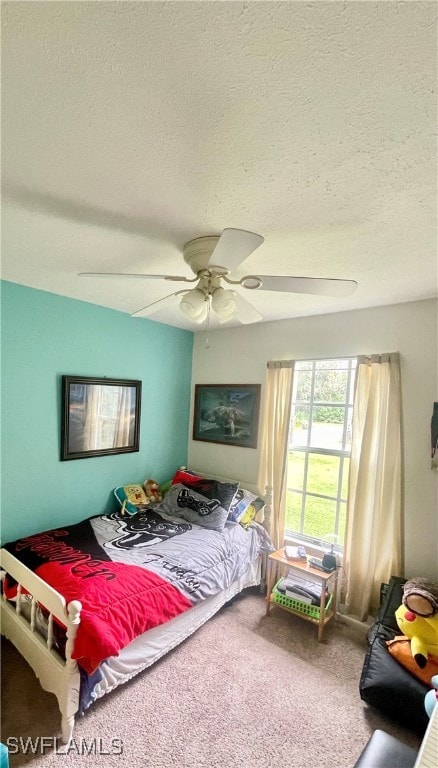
(278, 564)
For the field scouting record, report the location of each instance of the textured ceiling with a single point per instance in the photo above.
(131, 128)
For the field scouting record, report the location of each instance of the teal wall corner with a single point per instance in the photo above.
(45, 336)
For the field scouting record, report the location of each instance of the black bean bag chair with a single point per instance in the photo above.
(384, 683)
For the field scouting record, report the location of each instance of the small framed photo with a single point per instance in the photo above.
(227, 414)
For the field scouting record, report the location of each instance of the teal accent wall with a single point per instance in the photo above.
(45, 336)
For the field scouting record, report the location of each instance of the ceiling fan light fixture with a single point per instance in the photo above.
(199, 319)
(224, 304)
(194, 305)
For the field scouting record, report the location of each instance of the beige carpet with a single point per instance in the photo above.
(246, 690)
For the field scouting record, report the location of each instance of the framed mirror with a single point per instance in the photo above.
(100, 416)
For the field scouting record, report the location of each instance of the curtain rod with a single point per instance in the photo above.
(289, 363)
(383, 357)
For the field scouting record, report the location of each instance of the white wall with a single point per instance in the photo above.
(239, 356)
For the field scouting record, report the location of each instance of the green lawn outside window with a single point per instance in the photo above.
(319, 515)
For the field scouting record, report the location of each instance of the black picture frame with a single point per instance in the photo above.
(100, 416)
(227, 414)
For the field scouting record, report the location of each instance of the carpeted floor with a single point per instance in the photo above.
(246, 690)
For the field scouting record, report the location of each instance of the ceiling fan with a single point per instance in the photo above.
(212, 259)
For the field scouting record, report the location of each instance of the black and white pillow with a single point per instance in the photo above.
(205, 504)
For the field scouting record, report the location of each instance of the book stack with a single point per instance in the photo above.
(302, 589)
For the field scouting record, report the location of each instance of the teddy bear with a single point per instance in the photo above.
(417, 618)
(152, 491)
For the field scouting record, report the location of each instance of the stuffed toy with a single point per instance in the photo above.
(417, 618)
(152, 491)
(132, 498)
(431, 698)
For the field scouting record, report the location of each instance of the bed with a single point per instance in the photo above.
(93, 604)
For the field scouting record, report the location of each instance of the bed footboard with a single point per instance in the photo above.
(56, 674)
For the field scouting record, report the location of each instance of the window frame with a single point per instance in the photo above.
(342, 453)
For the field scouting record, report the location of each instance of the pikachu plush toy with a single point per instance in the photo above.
(417, 618)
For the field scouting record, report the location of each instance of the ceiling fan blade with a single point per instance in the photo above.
(149, 309)
(177, 278)
(233, 247)
(314, 285)
(246, 313)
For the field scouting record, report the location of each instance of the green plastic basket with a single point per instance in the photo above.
(297, 605)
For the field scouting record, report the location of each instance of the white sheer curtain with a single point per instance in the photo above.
(109, 417)
(373, 542)
(124, 427)
(275, 425)
(92, 418)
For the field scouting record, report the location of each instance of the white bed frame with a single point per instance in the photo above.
(56, 674)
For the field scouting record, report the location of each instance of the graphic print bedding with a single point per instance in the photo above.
(133, 574)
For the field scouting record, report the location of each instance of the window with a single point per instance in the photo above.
(319, 450)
